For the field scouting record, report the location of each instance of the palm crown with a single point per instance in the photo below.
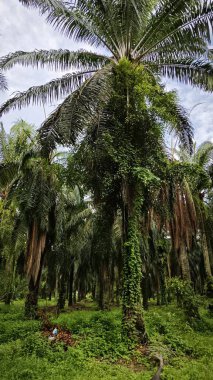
(167, 37)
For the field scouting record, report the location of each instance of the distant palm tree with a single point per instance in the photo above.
(202, 158)
(29, 180)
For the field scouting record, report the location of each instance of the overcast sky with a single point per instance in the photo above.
(24, 29)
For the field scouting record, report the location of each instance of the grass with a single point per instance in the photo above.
(99, 352)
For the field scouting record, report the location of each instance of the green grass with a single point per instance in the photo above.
(99, 352)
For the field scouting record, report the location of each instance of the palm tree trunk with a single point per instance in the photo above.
(207, 265)
(145, 291)
(162, 275)
(71, 280)
(133, 323)
(34, 263)
(184, 262)
(103, 301)
(31, 302)
(94, 290)
(62, 292)
(158, 289)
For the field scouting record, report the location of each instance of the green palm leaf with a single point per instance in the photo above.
(55, 59)
(204, 154)
(176, 21)
(48, 92)
(197, 72)
(79, 110)
(43, 5)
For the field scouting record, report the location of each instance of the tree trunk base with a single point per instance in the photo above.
(31, 305)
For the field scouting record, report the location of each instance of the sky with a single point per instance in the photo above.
(24, 29)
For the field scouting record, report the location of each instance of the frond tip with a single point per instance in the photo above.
(3, 83)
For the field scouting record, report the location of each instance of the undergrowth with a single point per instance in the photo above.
(99, 351)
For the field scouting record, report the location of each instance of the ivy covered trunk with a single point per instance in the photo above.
(133, 323)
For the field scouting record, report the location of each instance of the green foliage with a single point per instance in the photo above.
(186, 297)
(98, 350)
(33, 357)
(98, 334)
(38, 346)
(16, 329)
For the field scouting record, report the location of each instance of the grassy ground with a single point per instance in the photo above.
(98, 352)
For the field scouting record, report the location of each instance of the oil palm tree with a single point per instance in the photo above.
(73, 228)
(30, 181)
(13, 146)
(199, 186)
(142, 40)
(165, 37)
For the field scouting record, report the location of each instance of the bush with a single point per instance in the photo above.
(13, 330)
(98, 334)
(186, 297)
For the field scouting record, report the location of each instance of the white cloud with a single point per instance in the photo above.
(24, 29)
(199, 104)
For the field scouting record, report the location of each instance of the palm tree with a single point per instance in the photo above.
(13, 147)
(73, 227)
(199, 186)
(142, 40)
(30, 181)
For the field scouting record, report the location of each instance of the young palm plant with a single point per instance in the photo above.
(120, 92)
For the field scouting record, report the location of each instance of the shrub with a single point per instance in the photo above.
(186, 297)
(98, 334)
(13, 330)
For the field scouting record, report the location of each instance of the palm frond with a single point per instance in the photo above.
(198, 73)
(54, 59)
(3, 143)
(183, 127)
(43, 5)
(3, 83)
(76, 24)
(8, 172)
(78, 111)
(204, 154)
(48, 92)
(175, 21)
(167, 107)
